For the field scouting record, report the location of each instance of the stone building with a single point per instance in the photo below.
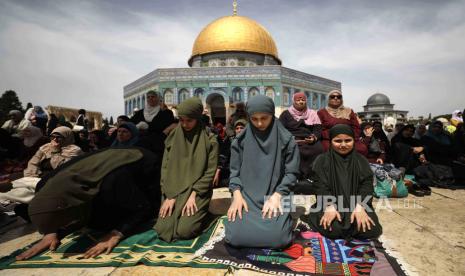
(70, 114)
(233, 59)
(380, 109)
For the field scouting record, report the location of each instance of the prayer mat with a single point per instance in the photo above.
(309, 254)
(144, 248)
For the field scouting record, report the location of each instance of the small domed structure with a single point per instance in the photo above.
(378, 99)
(380, 109)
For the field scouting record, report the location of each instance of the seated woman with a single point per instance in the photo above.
(407, 152)
(49, 157)
(376, 147)
(127, 135)
(189, 164)
(33, 139)
(97, 140)
(335, 113)
(344, 176)
(264, 166)
(222, 174)
(439, 148)
(116, 191)
(303, 123)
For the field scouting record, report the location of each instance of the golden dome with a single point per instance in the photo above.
(234, 33)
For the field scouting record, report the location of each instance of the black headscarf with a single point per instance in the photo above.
(380, 135)
(411, 141)
(343, 175)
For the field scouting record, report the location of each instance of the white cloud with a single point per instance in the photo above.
(80, 54)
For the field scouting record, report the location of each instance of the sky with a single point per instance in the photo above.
(82, 53)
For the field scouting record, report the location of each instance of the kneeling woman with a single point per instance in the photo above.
(344, 176)
(264, 164)
(114, 190)
(189, 165)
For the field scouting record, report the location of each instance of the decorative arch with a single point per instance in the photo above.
(238, 94)
(253, 91)
(286, 96)
(168, 96)
(218, 91)
(183, 95)
(315, 103)
(269, 92)
(199, 92)
(324, 102)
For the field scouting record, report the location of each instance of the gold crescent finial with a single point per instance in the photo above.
(235, 7)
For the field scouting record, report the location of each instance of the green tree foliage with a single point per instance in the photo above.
(9, 101)
(111, 120)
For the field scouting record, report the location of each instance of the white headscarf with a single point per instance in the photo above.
(34, 135)
(150, 112)
(456, 117)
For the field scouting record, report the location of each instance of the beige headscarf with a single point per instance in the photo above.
(340, 112)
(67, 152)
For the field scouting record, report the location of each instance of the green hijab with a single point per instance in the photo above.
(186, 152)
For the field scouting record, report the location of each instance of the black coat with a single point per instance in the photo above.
(163, 119)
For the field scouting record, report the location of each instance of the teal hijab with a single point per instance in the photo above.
(261, 154)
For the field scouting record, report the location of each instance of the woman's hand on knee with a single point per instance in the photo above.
(190, 208)
(236, 206)
(167, 208)
(329, 215)
(364, 222)
(272, 206)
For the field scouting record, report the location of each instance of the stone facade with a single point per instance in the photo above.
(94, 117)
(233, 84)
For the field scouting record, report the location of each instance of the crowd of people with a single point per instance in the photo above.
(157, 170)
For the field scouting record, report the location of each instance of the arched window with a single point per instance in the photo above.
(125, 107)
(183, 95)
(315, 101)
(286, 96)
(237, 94)
(198, 92)
(253, 92)
(269, 92)
(323, 101)
(138, 102)
(168, 96)
(129, 107)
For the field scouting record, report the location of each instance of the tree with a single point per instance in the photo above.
(9, 101)
(111, 120)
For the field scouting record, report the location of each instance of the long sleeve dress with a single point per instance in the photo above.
(262, 164)
(328, 121)
(189, 164)
(300, 130)
(344, 178)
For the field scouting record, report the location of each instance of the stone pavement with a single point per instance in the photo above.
(427, 235)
